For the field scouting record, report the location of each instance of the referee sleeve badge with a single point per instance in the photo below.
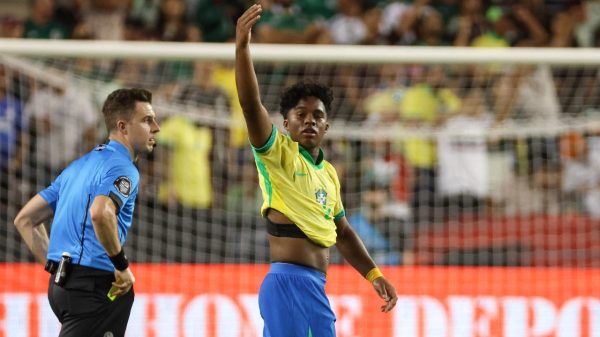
(123, 185)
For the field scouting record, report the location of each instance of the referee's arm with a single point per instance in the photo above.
(29, 223)
(103, 213)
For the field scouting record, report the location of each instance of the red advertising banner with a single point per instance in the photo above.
(221, 300)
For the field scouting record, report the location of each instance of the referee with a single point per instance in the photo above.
(91, 202)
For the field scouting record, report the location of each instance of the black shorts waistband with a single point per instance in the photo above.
(51, 267)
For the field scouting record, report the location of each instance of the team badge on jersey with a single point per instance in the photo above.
(123, 185)
(321, 196)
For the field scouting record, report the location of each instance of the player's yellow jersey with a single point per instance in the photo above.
(307, 192)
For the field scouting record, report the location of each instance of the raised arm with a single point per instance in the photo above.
(353, 250)
(257, 118)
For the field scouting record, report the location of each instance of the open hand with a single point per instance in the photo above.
(245, 23)
(387, 292)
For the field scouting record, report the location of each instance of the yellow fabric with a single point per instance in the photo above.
(189, 165)
(489, 41)
(384, 101)
(421, 103)
(307, 193)
(225, 78)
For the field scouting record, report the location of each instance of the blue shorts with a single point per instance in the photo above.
(293, 303)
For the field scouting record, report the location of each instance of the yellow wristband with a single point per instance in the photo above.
(374, 274)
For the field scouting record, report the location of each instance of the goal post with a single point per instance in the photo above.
(471, 174)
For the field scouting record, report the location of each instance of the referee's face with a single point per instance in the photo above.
(142, 128)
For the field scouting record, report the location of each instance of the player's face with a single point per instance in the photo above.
(142, 128)
(307, 122)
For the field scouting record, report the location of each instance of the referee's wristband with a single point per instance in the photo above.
(119, 261)
(373, 274)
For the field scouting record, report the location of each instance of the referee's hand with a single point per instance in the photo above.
(124, 280)
(387, 292)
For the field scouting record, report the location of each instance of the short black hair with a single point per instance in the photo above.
(293, 94)
(121, 104)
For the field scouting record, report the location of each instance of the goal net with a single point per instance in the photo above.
(471, 175)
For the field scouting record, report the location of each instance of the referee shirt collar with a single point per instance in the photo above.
(120, 148)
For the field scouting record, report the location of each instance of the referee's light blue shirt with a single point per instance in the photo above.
(107, 170)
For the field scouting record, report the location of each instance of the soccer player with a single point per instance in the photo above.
(92, 201)
(302, 203)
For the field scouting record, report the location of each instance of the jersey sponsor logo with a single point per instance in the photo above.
(100, 147)
(123, 185)
(300, 174)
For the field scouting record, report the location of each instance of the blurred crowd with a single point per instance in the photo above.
(456, 160)
(478, 23)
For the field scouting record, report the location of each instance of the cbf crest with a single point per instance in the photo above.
(321, 196)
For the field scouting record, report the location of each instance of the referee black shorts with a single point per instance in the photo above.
(83, 308)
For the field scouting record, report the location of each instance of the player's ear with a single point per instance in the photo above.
(326, 127)
(121, 126)
(285, 124)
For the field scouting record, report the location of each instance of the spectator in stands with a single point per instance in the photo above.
(69, 14)
(382, 101)
(448, 9)
(383, 106)
(12, 121)
(285, 22)
(349, 25)
(463, 156)
(215, 19)
(563, 27)
(528, 94)
(242, 196)
(391, 16)
(11, 27)
(64, 122)
(202, 90)
(134, 30)
(13, 126)
(581, 177)
(514, 26)
(404, 29)
(319, 10)
(469, 24)
(105, 19)
(590, 23)
(416, 24)
(382, 165)
(172, 24)
(429, 30)
(146, 12)
(186, 185)
(425, 104)
(373, 225)
(41, 23)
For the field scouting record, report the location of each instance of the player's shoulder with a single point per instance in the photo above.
(109, 160)
(328, 166)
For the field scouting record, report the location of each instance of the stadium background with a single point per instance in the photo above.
(479, 198)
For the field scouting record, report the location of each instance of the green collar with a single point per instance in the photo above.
(308, 157)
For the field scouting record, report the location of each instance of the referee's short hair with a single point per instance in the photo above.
(121, 104)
